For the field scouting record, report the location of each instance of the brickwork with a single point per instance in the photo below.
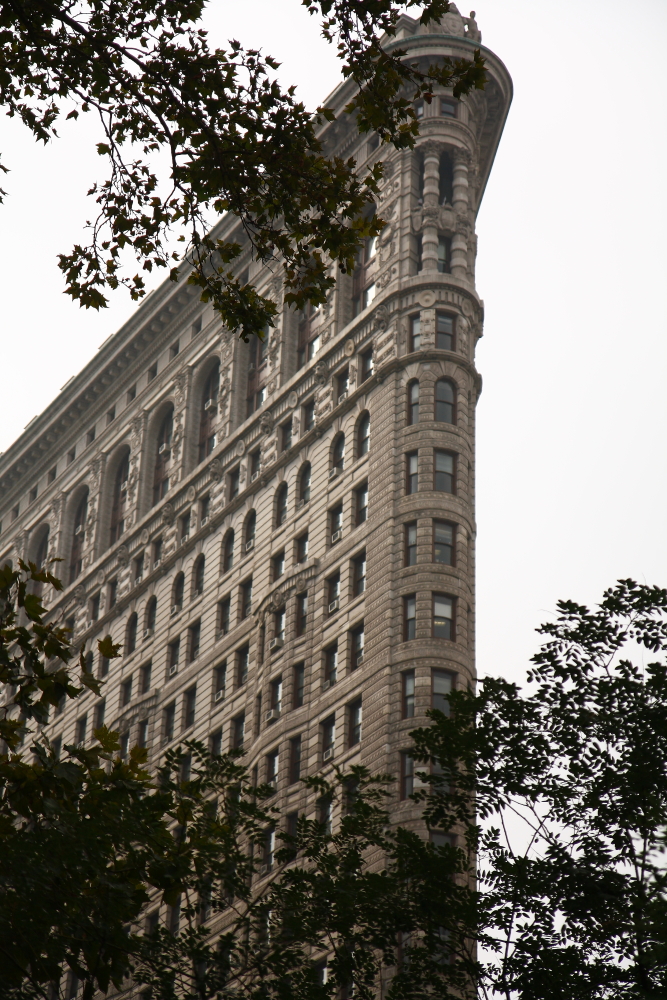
(141, 406)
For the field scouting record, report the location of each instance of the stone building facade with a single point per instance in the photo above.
(282, 535)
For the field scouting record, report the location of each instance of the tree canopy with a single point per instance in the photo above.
(216, 124)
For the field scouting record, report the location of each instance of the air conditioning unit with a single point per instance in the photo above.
(156, 563)
(148, 633)
(220, 634)
(360, 659)
(336, 537)
(123, 486)
(204, 521)
(138, 578)
(328, 754)
(275, 644)
(209, 404)
(333, 472)
(334, 606)
(342, 397)
(254, 476)
(219, 695)
(272, 715)
(163, 449)
(184, 539)
(327, 684)
(264, 869)
(250, 544)
(175, 608)
(173, 669)
(78, 529)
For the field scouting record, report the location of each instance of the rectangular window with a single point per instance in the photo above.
(268, 851)
(328, 728)
(100, 710)
(443, 616)
(302, 548)
(111, 415)
(168, 722)
(342, 385)
(408, 694)
(447, 107)
(112, 593)
(279, 625)
(255, 463)
(410, 543)
(366, 364)
(219, 681)
(126, 692)
(194, 641)
(333, 593)
(238, 730)
(444, 468)
(444, 332)
(286, 436)
(336, 523)
(151, 373)
(354, 723)
(309, 415)
(443, 542)
(142, 737)
(189, 706)
(359, 574)
(81, 727)
(361, 503)
(215, 742)
(272, 768)
(95, 607)
(441, 687)
(294, 760)
(412, 472)
(32, 496)
(224, 607)
(242, 659)
(173, 350)
(157, 552)
(415, 333)
(52, 475)
(246, 598)
(277, 694)
(278, 565)
(71, 455)
(291, 829)
(407, 775)
(174, 652)
(409, 617)
(298, 685)
(233, 483)
(301, 614)
(104, 666)
(357, 646)
(330, 665)
(145, 678)
(444, 254)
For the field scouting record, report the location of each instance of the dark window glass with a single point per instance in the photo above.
(131, 634)
(415, 333)
(163, 457)
(234, 483)
(194, 641)
(446, 186)
(442, 687)
(198, 576)
(331, 664)
(257, 372)
(413, 402)
(444, 332)
(309, 416)
(412, 472)
(366, 365)
(299, 684)
(189, 706)
(281, 505)
(220, 679)
(301, 613)
(169, 718)
(342, 385)
(338, 453)
(410, 543)
(304, 484)
(361, 504)
(208, 413)
(328, 728)
(357, 647)
(223, 615)
(408, 680)
(145, 678)
(272, 768)
(354, 723)
(444, 471)
(249, 532)
(333, 591)
(447, 107)
(278, 565)
(444, 401)
(443, 542)
(246, 598)
(228, 553)
(286, 435)
(126, 692)
(119, 501)
(238, 730)
(81, 727)
(242, 660)
(443, 616)
(178, 591)
(444, 254)
(151, 614)
(364, 435)
(409, 617)
(215, 742)
(255, 463)
(174, 655)
(359, 575)
(78, 538)
(407, 775)
(295, 760)
(302, 548)
(100, 710)
(336, 523)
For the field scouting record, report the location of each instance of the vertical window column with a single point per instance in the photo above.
(431, 199)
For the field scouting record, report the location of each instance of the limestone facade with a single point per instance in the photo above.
(180, 473)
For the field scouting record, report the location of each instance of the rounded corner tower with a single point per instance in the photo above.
(281, 534)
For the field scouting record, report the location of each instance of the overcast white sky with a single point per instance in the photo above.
(572, 467)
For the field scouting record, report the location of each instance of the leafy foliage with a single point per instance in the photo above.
(575, 773)
(228, 137)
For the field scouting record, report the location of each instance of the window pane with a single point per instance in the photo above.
(443, 542)
(443, 612)
(442, 686)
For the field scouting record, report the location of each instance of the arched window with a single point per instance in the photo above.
(78, 538)
(131, 634)
(228, 552)
(209, 409)
(249, 531)
(198, 576)
(177, 592)
(304, 484)
(119, 499)
(281, 504)
(413, 402)
(338, 453)
(364, 435)
(163, 457)
(41, 555)
(444, 401)
(151, 614)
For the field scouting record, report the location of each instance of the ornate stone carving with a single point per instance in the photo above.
(215, 470)
(321, 372)
(168, 513)
(381, 318)
(472, 29)
(292, 399)
(80, 595)
(123, 556)
(240, 447)
(277, 602)
(301, 584)
(266, 423)
(348, 349)
(190, 494)
(100, 577)
(179, 381)
(144, 536)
